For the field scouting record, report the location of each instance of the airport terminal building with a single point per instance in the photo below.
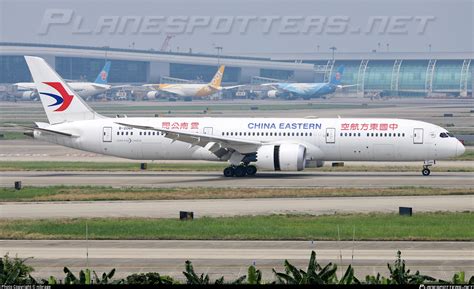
(391, 73)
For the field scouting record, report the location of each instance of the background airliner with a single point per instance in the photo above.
(278, 144)
(308, 90)
(83, 89)
(192, 89)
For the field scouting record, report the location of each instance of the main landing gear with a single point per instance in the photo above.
(240, 171)
(426, 167)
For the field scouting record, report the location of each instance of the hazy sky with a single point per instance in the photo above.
(245, 26)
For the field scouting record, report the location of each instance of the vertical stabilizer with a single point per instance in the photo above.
(60, 102)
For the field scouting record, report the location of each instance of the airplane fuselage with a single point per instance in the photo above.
(307, 90)
(187, 89)
(339, 139)
(83, 89)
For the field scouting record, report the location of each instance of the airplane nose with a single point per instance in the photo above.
(460, 149)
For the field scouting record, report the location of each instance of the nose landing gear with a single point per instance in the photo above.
(240, 171)
(426, 167)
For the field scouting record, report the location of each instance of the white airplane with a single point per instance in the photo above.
(83, 89)
(276, 144)
(192, 89)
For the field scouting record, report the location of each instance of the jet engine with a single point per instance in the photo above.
(272, 93)
(150, 95)
(283, 157)
(27, 95)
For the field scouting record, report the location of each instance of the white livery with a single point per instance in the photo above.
(279, 144)
(27, 90)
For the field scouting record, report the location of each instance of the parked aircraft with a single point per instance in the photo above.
(192, 89)
(308, 90)
(276, 144)
(27, 90)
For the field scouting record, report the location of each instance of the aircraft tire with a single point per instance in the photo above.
(426, 172)
(240, 171)
(251, 170)
(229, 172)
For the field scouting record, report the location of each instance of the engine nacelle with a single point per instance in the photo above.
(272, 93)
(27, 95)
(284, 157)
(152, 95)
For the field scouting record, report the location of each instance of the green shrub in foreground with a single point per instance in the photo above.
(15, 271)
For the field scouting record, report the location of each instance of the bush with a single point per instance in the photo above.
(15, 271)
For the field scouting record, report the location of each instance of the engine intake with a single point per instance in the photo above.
(284, 157)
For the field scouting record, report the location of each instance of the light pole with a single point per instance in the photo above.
(106, 50)
(219, 49)
(333, 48)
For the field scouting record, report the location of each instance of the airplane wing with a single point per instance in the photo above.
(344, 86)
(55, 132)
(230, 87)
(50, 131)
(220, 146)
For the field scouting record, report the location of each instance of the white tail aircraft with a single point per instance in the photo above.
(279, 144)
(84, 89)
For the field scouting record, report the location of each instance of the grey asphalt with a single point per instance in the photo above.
(231, 258)
(233, 207)
(263, 179)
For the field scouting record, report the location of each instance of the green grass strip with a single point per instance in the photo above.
(421, 226)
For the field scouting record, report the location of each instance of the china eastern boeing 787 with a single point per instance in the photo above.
(276, 144)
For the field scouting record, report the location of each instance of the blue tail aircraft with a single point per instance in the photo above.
(308, 90)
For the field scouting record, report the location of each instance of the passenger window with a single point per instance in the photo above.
(403, 134)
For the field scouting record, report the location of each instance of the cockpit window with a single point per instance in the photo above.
(443, 135)
(450, 134)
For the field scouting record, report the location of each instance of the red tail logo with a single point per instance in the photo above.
(63, 99)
